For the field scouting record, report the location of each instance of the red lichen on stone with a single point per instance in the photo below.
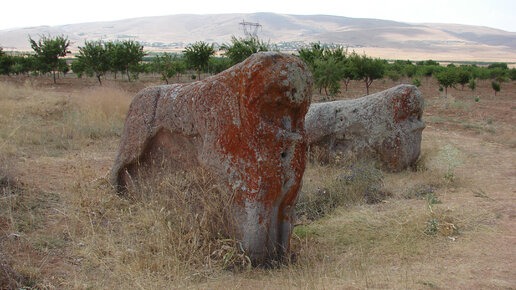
(246, 125)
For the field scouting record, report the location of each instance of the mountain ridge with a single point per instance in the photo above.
(376, 37)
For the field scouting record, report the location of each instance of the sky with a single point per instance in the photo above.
(499, 14)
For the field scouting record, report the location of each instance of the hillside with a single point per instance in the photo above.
(381, 38)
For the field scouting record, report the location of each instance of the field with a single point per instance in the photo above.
(450, 223)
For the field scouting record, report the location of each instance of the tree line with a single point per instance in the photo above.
(331, 65)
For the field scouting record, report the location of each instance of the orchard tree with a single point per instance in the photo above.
(472, 84)
(327, 76)
(500, 65)
(416, 82)
(447, 78)
(130, 55)
(427, 68)
(393, 75)
(310, 55)
(329, 65)
(167, 65)
(512, 74)
(395, 70)
(6, 62)
(115, 51)
(49, 50)
(218, 64)
(368, 69)
(496, 87)
(410, 70)
(241, 48)
(198, 55)
(95, 58)
(482, 73)
(463, 77)
(79, 68)
(431, 62)
(63, 67)
(348, 72)
(498, 74)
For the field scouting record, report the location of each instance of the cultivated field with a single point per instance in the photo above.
(449, 223)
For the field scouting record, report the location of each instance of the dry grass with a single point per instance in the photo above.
(163, 231)
(51, 122)
(63, 226)
(344, 182)
(99, 112)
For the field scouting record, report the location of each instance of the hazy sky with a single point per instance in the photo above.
(494, 13)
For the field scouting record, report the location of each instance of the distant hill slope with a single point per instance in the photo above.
(382, 38)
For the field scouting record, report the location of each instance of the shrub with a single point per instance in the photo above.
(416, 82)
(472, 84)
(449, 156)
(496, 87)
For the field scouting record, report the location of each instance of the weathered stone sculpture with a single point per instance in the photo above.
(246, 125)
(386, 125)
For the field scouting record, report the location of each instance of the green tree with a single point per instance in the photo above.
(336, 52)
(79, 68)
(167, 65)
(500, 65)
(395, 71)
(472, 84)
(198, 55)
(431, 62)
(6, 62)
(416, 82)
(348, 72)
(498, 74)
(327, 75)
(393, 75)
(130, 54)
(241, 48)
(496, 87)
(49, 50)
(329, 66)
(115, 51)
(463, 77)
(95, 58)
(218, 64)
(482, 73)
(428, 71)
(368, 69)
(410, 70)
(447, 78)
(63, 66)
(26, 64)
(512, 74)
(311, 54)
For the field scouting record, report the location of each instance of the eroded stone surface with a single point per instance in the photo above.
(386, 125)
(246, 125)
